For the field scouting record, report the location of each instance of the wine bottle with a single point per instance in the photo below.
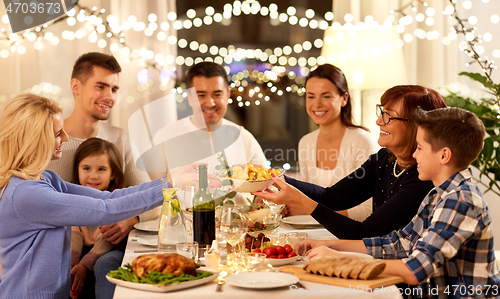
(203, 212)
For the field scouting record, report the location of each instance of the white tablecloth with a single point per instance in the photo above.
(207, 291)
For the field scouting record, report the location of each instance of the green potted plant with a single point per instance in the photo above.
(487, 110)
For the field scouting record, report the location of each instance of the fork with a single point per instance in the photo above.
(221, 279)
(299, 285)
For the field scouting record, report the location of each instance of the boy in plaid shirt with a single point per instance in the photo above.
(446, 251)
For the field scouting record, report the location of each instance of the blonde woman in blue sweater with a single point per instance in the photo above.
(38, 208)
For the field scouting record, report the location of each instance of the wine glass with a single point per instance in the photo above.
(294, 238)
(187, 211)
(232, 227)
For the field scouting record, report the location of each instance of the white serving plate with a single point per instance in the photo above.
(261, 280)
(304, 220)
(148, 240)
(163, 288)
(149, 226)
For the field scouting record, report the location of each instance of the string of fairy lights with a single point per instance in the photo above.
(103, 29)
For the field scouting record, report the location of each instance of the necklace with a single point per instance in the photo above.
(397, 175)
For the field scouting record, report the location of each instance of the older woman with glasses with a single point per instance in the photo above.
(390, 176)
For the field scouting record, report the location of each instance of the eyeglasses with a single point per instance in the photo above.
(386, 117)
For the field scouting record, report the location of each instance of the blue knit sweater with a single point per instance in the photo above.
(35, 229)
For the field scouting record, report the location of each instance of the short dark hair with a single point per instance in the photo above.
(206, 69)
(337, 77)
(411, 96)
(84, 65)
(458, 129)
(97, 146)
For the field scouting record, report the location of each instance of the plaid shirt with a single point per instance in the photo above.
(448, 245)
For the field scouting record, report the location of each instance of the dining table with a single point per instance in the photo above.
(135, 248)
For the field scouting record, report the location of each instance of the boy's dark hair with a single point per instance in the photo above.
(84, 65)
(206, 69)
(97, 146)
(458, 129)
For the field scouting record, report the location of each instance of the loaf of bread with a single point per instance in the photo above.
(346, 266)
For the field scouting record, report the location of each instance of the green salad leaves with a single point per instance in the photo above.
(154, 277)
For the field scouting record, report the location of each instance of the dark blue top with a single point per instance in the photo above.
(395, 200)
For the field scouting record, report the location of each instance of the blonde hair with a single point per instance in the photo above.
(26, 137)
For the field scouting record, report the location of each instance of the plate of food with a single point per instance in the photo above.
(149, 226)
(276, 255)
(160, 272)
(261, 280)
(250, 178)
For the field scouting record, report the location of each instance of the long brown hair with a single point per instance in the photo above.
(337, 77)
(412, 97)
(98, 146)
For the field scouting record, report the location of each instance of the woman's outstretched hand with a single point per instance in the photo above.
(285, 194)
(288, 194)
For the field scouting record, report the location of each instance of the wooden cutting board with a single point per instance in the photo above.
(381, 280)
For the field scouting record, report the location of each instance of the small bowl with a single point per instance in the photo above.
(252, 186)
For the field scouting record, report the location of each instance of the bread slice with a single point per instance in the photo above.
(346, 266)
(342, 264)
(323, 266)
(360, 265)
(372, 270)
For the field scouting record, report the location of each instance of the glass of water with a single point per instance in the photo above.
(189, 250)
(295, 238)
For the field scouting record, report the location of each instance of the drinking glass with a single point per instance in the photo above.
(277, 238)
(188, 249)
(296, 237)
(254, 262)
(272, 220)
(227, 218)
(187, 211)
(171, 229)
(232, 227)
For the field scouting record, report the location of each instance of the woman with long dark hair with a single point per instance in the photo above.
(338, 146)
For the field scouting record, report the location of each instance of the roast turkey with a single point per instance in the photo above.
(164, 263)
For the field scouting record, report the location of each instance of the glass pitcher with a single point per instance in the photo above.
(171, 228)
